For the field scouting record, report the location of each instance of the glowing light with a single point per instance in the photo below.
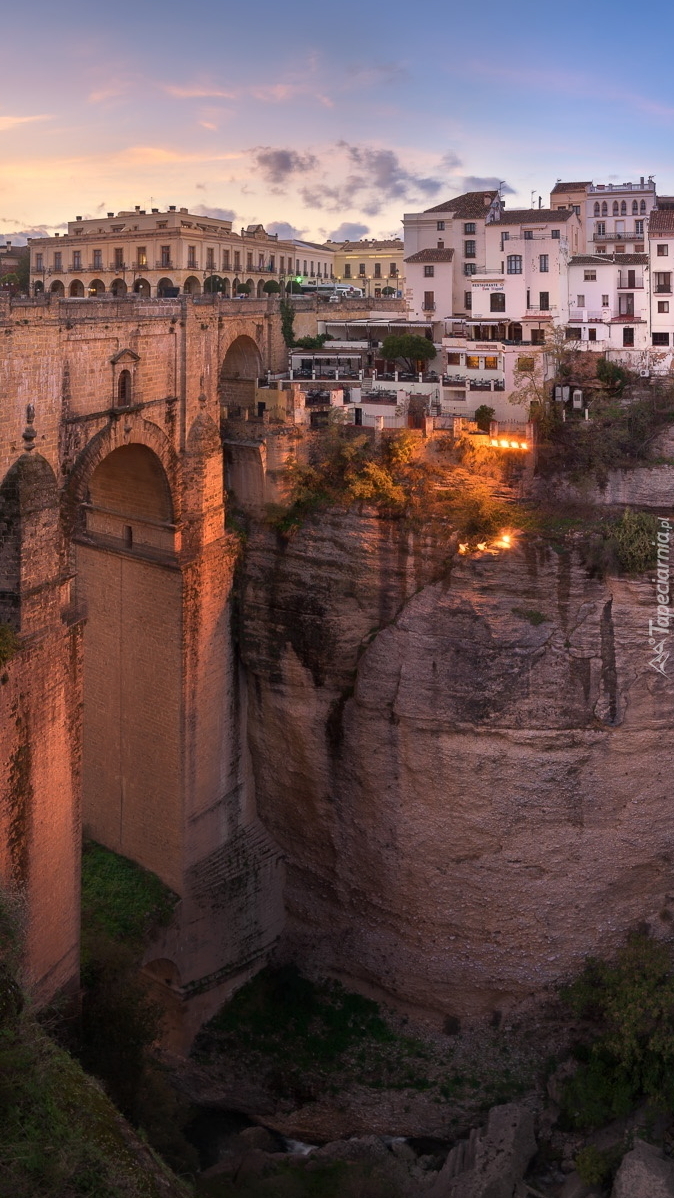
(493, 441)
(514, 445)
(506, 539)
(482, 545)
(463, 548)
(503, 444)
(523, 445)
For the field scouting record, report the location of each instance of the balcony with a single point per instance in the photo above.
(584, 316)
(624, 283)
(95, 267)
(532, 310)
(169, 266)
(663, 289)
(56, 270)
(428, 307)
(118, 266)
(628, 236)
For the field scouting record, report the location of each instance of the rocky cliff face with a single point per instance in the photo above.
(471, 798)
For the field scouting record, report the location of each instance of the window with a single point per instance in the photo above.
(469, 268)
(601, 228)
(440, 224)
(626, 305)
(639, 228)
(663, 305)
(77, 259)
(663, 282)
(528, 234)
(576, 208)
(592, 334)
(249, 263)
(497, 301)
(554, 233)
(361, 268)
(469, 228)
(620, 249)
(347, 270)
(580, 301)
(162, 224)
(393, 270)
(124, 389)
(601, 249)
(663, 251)
(454, 359)
(429, 271)
(57, 260)
(441, 244)
(525, 363)
(623, 208)
(544, 301)
(272, 263)
(538, 336)
(166, 256)
(543, 263)
(38, 262)
(639, 248)
(472, 363)
(377, 270)
(596, 208)
(628, 338)
(469, 249)
(468, 300)
(98, 259)
(590, 276)
(237, 259)
(604, 209)
(297, 266)
(491, 362)
(660, 338)
(119, 259)
(616, 208)
(635, 207)
(225, 260)
(260, 263)
(604, 301)
(514, 264)
(318, 269)
(141, 256)
(429, 301)
(642, 206)
(573, 334)
(210, 259)
(282, 264)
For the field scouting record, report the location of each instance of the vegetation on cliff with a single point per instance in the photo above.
(9, 643)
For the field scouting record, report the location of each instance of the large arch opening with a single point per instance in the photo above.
(57, 288)
(118, 287)
(165, 287)
(130, 590)
(192, 286)
(241, 368)
(96, 287)
(213, 285)
(76, 289)
(142, 288)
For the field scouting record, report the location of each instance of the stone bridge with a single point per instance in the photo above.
(122, 708)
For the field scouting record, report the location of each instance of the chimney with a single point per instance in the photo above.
(172, 207)
(642, 180)
(155, 210)
(137, 207)
(110, 214)
(540, 201)
(78, 218)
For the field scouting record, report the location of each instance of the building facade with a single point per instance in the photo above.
(376, 267)
(457, 225)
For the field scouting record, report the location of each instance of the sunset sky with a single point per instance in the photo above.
(320, 118)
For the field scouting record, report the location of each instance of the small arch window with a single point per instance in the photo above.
(623, 208)
(642, 206)
(124, 389)
(604, 209)
(635, 207)
(616, 208)
(596, 208)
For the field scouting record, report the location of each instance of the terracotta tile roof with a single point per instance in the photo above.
(660, 222)
(561, 186)
(431, 256)
(530, 216)
(356, 247)
(468, 206)
(609, 259)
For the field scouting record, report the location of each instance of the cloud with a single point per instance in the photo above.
(363, 75)
(450, 161)
(216, 213)
(198, 92)
(285, 231)
(20, 236)
(484, 183)
(349, 231)
(9, 122)
(376, 178)
(277, 166)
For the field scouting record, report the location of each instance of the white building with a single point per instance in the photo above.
(617, 216)
(430, 284)
(457, 225)
(609, 304)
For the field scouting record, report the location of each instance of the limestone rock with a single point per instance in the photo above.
(500, 1155)
(644, 1173)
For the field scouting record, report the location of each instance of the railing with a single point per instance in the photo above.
(96, 266)
(626, 285)
(603, 189)
(75, 270)
(548, 311)
(618, 236)
(56, 270)
(118, 266)
(428, 307)
(171, 265)
(663, 289)
(584, 315)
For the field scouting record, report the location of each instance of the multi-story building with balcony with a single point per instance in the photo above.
(458, 225)
(311, 264)
(156, 253)
(661, 255)
(614, 216)
(609, 304)
(376, 267)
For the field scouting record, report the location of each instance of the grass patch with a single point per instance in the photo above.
(120, 898)
(534, 617)
(9, 643)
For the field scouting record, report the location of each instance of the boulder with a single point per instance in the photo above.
(644, 1173)
(259, 1137)
(496, 1160)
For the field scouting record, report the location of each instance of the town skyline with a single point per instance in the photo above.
(315, 125)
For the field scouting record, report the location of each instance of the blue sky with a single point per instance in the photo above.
(327, 119)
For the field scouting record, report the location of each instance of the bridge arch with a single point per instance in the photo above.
(240, 370)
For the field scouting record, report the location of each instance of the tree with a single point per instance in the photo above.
(271, 287)
(388, 290)
(293, 287)
(287, 323)
(243, 289)
(484, 416)
(409, 349)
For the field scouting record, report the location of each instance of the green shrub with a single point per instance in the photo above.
(592, 1166)
(534, 617)
(9, 643)
(484, 416)
(627, 545)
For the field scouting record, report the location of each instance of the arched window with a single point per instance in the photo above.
(616, 208)
(124, 389)
(604, 209)
(642, 206)
(623, 209)
(635, 207)
(596, 208)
